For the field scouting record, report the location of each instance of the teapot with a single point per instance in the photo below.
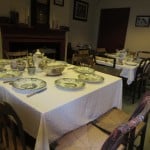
(37, 58)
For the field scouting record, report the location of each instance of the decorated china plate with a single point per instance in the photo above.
(29, 84)
(91, 78)
(69, 83)
(10, 74)
(83, 69)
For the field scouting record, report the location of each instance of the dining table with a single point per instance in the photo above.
(57, 110)
(127, 66)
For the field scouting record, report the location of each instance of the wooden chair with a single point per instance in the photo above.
(49, 52)
(146, 75)
(140, 78)
(114, 117)
(90, 137)
(125, 133)
(100, 51)
(86, 137)
(83, 57)
(17, 54)
(107, 69)
(143, 54)
(108, 58)
(12, 133)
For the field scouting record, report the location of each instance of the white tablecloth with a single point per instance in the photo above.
(128, 71)
(54, 112)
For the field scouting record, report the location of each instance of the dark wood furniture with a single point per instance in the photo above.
(17, 37)
(11, 128)
(18, 54)
(40, 13)
(141, 76)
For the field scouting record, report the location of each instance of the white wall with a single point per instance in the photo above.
(80, 31)
(22, 6)
(137, 38)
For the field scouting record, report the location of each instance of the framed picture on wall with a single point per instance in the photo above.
(59, 2)
(142, 21)
(80, 10)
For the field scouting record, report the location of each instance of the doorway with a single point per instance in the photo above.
(112, 28)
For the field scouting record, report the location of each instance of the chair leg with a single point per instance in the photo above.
(141, 146)
(140, 88)
(133, 91)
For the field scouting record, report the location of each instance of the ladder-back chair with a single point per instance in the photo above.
(114, 117)
(12, 133)
(16, 54)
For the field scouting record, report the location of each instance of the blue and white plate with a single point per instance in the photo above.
(69, 83)
(84, 69)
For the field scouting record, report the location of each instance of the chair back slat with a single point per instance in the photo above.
(143, 54)
(17, 54)
(142, 68)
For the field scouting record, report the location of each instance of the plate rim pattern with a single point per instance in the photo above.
(71, 88)
(90, 81)
(36, 88)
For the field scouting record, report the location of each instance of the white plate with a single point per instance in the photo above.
(69, 83)
(91, 78)
(8, 75)
(130, 63)
(82, 69)
(28, 84)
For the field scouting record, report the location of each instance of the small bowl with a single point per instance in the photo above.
(54, 70)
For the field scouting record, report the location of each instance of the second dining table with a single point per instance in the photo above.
(128, 68)
(48, 115)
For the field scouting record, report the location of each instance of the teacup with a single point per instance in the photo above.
(31, 70)
(21, 66)
(13, 64)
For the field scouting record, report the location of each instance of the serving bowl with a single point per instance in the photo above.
(54, 70)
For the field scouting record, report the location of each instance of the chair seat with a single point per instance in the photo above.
(86, 137)
(113, 118)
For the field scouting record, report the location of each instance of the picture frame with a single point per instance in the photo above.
(59, 2)
(142, 21)
(80, 10)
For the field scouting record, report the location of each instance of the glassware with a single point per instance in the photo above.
(31, 70)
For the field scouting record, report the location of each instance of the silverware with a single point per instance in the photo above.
(36, 92)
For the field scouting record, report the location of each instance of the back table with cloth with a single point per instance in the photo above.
(49, 115)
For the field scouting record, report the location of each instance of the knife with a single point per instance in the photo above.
(36, 92)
